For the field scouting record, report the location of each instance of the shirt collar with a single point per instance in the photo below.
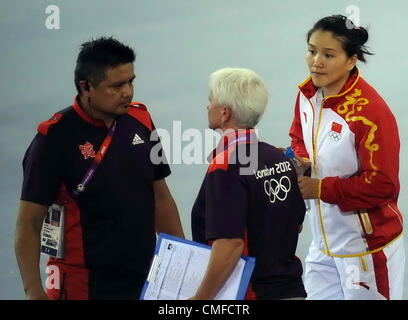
(85, 116)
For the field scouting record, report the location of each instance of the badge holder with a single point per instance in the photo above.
(52, 232)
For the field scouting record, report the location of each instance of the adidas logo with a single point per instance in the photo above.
(137, 140)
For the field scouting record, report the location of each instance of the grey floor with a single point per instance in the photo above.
(178, 43)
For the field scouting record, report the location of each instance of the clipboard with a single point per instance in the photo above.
(179, 265)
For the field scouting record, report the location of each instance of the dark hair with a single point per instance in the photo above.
(96, 56)
(351, 37)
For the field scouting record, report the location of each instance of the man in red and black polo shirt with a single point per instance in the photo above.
(94, 159)
(249, 201)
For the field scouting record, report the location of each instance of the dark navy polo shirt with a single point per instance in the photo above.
(110, 227)
(265, 208)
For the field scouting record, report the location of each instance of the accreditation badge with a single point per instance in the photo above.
(52, 232)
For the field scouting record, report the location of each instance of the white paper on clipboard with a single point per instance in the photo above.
(179, 266)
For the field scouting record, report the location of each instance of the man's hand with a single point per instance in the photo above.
(309, 187)
(27, 246)
(36, 294)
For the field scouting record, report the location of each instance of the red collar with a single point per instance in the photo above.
(309, 89)
(85, 116)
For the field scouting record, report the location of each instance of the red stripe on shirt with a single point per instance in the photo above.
(381, 273)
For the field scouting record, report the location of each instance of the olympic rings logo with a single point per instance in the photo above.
(277, 189)
(335, 136)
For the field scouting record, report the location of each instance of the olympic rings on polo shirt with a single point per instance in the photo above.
(277, 189)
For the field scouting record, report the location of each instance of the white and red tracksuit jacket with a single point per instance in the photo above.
(353, 144)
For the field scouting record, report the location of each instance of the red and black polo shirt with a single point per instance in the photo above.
(109, 228)
(265, 208)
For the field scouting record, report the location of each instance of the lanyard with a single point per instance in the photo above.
(249, 136)
(236, 141)
(95, 162)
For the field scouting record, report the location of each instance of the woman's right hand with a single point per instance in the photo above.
(304, 163)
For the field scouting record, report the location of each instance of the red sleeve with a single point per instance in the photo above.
(157, 156)
(296, 134)
(377, 183)
(140, 113)
(43, 127)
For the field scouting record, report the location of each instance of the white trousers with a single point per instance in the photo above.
(376, 276)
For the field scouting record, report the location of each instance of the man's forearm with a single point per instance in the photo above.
(167, 218)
